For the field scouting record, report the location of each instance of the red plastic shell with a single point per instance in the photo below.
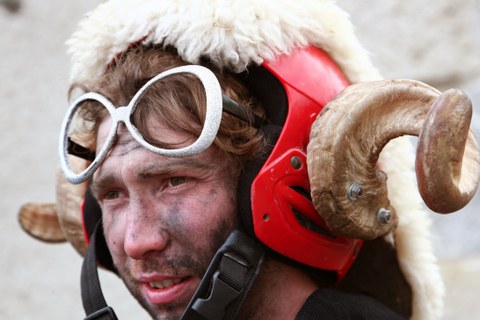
(311, 80)
(84, 227)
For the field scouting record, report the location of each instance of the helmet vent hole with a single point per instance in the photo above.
(309, 224)
(266, 217)
(304, 220)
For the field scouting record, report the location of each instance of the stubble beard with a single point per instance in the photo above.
(195, 264)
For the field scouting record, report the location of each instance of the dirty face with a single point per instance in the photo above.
(164, 218)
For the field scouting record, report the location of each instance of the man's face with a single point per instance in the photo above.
(164, 218)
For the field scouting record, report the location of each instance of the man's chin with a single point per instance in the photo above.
(166, 312)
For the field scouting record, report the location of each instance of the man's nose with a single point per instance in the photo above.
(144, 232)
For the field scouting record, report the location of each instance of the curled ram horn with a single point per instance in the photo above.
(60, 221)
(40, 221)
(69, 203)
(348, 190)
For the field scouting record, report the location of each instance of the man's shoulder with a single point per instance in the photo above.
(333, 304)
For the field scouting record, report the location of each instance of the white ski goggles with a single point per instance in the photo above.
(215, 104)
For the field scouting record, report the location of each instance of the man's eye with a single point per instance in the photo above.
(175, 181)
(110, 195)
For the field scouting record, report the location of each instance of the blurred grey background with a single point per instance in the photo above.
(437, 42)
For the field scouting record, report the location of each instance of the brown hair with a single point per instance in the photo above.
(176, 97)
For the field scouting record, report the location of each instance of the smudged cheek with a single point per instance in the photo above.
(183, 217)
(114, 230)
(195, 217)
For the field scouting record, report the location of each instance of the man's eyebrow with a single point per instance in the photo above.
(104, 181)
(101, 183)
(172, 166)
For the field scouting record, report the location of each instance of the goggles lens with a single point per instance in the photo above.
(128, 115)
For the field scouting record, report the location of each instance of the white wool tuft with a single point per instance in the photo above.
(232, 34)
(411, 239)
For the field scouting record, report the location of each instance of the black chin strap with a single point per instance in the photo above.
(220, 295)
(93, 301)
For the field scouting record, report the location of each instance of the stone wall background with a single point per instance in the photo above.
(433, 41)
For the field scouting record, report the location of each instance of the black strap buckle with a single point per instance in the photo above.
(227, 284)
(106, 313)
(227, 281)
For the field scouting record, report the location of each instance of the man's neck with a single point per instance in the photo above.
(278, 293)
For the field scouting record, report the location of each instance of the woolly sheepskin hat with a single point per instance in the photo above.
(232, 34)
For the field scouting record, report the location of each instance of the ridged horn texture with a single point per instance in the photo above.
(40, 221)
(69, 203)
(448, 157)
(60, 221)
(350, 192)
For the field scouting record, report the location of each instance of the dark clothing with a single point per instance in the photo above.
(330, 304)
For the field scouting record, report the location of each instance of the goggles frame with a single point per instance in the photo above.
(215, 104)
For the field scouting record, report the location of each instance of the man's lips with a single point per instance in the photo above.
(162, 290)
(163, 284)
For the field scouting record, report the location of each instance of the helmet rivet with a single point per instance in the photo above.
(355, 191)
(384, 216)
(295, 162)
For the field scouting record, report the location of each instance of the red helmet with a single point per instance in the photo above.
(294, 88)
